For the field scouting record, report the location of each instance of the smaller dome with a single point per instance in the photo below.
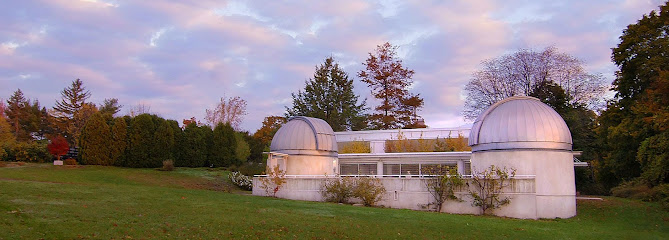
(519, 123)
(305, 135)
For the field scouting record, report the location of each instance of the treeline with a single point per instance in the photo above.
(145, 141)
(139, 139)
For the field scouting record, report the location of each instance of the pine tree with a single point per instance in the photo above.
(118, 144)
(329, 96)
(73, 99)
(243, 149)
(95, 143)
(69, 115)
(16, 111)
(390, 81)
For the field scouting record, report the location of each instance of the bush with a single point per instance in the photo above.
(338, 190)
(168, 165)
(488, 187)
(29, 152)
(70, 161)
(250, 169)
(274, 180)
(369, 190)
(241, 181)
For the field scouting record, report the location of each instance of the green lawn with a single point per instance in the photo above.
(43, 201)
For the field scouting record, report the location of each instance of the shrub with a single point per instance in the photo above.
(355, 147)
(70, 161)
(369, 190)
(441, 183)
(274, 180)
(250, 169)
(488, 187)
(168, 165)
(241, 181)
(338, 190)
(58, 146)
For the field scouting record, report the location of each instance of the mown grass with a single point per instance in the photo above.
(43, 201)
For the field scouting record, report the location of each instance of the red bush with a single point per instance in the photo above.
(58, 146)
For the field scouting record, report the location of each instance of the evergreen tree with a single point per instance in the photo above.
(163, 143)
(329, 96)
(95, 143)
(68, 111)
(73, 99)
(16, 112)
(110, 106)
(119, 131)
(140, 142)
(178, 141)
(209, 150)
(194, 147)
(223, 147)
(390, 83)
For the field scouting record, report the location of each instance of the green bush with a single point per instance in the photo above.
(338, 190)
(369, 190)
(28, 152)
(251, 168)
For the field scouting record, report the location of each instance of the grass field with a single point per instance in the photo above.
(43, 201)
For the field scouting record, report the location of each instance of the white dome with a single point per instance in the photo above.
(305, 135)
(519, 123)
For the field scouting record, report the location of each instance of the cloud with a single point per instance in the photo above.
(181, 57)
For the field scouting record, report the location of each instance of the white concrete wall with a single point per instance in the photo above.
(554, 171)
(411, 193)
(306, 165)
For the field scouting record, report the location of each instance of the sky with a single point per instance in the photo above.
(180, 57)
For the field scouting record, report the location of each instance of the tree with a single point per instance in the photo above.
(633, 126)
(95, 142)
(118, 142)
(329, 96)
(230, 111)
(7, 139)
(110, 106)
(390, 81)
(78, 121)
(521, 73)
(163, 143)
(224, 146)
(73, 100)
(242, 150)
(58, 146)
(194, 147)
(270, 125)
(140, 142)
(139, 109)
(16, 112)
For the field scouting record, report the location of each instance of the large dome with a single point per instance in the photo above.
(305, 135)
(519, 123)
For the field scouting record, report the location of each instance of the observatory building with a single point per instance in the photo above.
(304, 146)
(525, 134)
(519, 133)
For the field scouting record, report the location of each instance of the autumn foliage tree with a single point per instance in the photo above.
(58, 146)
(390, 82)
(95, 142)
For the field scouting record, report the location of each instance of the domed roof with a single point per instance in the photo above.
(519, 123)
(303, 135)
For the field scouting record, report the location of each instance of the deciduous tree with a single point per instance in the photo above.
(329, 96)
(635, 123)
(521, 73)
(231, 111)
(390, 82)
(58, 146)
(270, 125)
